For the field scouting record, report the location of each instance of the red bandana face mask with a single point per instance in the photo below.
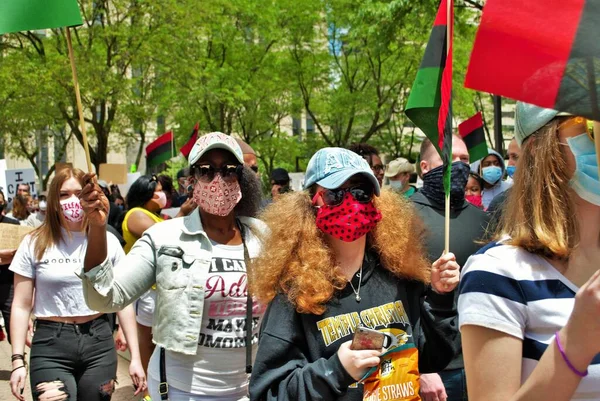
(217, 197)
(475, 200)
(349, 220)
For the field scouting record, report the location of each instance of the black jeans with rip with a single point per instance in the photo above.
(78, 359)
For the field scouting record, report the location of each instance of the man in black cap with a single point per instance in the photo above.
(280, 182)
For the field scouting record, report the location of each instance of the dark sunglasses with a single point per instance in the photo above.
(335, 197)
(206, 172)
(377, 168)
(254, 168)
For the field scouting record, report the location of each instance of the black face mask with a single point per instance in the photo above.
(433, 184)
(2, 205)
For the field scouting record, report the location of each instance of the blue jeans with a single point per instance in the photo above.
(455, 382)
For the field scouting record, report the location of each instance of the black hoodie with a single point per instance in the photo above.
(297, 353)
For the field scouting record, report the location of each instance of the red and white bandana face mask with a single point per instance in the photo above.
(217, 197)
(349, 220)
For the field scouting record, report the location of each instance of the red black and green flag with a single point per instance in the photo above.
(429, 104)
(187, 148)
(546, 53)
(161, 150)
(471, 131)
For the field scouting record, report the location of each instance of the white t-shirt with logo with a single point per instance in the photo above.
(219, 367)
(58, 290)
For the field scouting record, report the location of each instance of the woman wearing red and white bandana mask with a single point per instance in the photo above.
(198, 264)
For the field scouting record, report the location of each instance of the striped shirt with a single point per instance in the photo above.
(508, 289)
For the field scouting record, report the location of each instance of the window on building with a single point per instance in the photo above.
(310, 126)
(296, 126)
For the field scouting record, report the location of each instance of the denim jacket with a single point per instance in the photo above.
(176, 256)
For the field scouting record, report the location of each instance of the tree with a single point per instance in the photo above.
(233, 77)
(24, 123)
(116, 40)
(351, 85)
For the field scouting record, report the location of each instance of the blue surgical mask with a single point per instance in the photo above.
(510, 170)
(491, 174)
(396, 184)
(585, 179)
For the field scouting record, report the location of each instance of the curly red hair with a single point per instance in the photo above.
(297, 261)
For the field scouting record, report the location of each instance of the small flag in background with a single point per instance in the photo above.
(471, 131)
(429, 104)
(28, 15)
(546, 53)
(187, 148)
(161, 150)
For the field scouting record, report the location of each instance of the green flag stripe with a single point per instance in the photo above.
(478, 152)
(423, 104)
(26, 15)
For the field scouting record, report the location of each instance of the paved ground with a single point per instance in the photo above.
(124, 391)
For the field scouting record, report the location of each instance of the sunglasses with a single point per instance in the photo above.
(254, 168)
(377, 168)
(206, 172)
(578, 121)
(335, 197)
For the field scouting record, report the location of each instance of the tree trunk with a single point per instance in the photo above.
(138, 157)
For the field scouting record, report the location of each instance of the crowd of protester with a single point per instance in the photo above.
(245, 296)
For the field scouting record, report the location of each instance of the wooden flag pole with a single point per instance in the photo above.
(79, 105)
(447, 212)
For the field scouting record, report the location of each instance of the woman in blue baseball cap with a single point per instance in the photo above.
(205, 323)
(342, 255)
(529, 304)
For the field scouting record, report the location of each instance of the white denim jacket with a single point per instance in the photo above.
(176, 255)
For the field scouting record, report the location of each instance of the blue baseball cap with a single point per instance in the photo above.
(530, 118)
(331, 167)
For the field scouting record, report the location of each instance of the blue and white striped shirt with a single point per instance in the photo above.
(508, 289)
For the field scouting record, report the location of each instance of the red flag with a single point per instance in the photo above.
(542, 52)
(187, 148)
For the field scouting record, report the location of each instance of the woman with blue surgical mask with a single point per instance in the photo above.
(530, 302)
(491, 169)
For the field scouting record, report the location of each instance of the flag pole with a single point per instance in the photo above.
(447, 211)
(79, 105)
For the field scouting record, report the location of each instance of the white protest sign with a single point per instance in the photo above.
(131, 177)
(297, 181)
(16, 177)
(3, 176)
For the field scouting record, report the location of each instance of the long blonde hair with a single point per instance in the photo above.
(297, 261)
(50, 233)
(539, 215)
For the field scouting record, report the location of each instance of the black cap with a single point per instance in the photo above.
(280, 175)
(184, 172)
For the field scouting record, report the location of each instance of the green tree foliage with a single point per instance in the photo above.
(236, 66)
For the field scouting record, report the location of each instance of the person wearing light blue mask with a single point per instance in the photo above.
(513, 156)
(398, 173)
(491, 169)
(525, 299)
